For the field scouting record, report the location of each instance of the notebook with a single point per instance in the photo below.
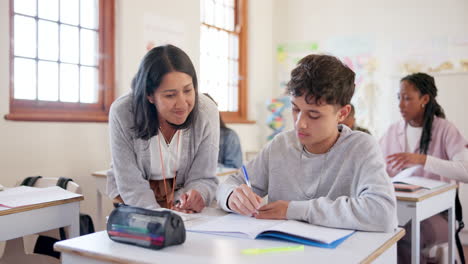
(248, 227)
(413, 182)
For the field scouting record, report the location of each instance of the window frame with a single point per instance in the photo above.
(36, 110)
(240, 16)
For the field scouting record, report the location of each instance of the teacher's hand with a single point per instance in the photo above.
(190, 202)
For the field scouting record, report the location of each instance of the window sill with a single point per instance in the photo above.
(58, 117)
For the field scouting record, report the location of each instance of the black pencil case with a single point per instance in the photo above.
(145, 228)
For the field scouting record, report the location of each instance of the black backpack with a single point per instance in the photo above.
(45, 244)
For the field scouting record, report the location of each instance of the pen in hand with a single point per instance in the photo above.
(246, 176)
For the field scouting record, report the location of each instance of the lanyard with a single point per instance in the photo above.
(163, 171)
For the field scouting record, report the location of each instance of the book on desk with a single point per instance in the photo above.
(405, 181)
(248, 227)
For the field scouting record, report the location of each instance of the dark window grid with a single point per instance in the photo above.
(37, 18)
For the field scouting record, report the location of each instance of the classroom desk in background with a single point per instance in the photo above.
(420, 205)
(31, 219)
(361, 247)
(100, 179)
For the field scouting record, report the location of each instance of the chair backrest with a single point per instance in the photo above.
(49, 181)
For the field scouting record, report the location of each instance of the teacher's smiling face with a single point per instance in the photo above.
(174, 98)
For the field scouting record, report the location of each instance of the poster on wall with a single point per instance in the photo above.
(435, 54)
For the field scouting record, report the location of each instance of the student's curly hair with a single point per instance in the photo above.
(425, 84)
(322, 78)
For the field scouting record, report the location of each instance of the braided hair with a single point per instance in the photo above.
(426, 85)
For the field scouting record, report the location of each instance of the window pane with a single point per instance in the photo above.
(48, 9)
(25, 79)
(69, 10)
(88, 85)
(47, 81)
(89, 13)
(89, 47)
(69, 82)
(48, 40)
(209, 12)
(27, 7)
(25, 36)
(69, 44)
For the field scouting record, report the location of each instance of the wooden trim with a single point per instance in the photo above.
(40, 205)
(392, 241)
(218, 28)
(243, 57)
(102, 173)
(426, 196)
(35, 110)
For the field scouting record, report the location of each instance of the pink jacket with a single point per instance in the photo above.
(446, 141)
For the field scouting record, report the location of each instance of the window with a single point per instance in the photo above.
(223, 56)
(61, 60)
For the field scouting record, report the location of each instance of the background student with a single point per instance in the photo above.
(350, 121)
(164, 137)
(320, 172)
(424, 138)
(230, 152)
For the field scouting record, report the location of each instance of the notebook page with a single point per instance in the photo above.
(25, 195)
(318, 233)
(405, 173)
(423, 182)
(235, 224)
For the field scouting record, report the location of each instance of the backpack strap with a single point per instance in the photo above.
(62, 182)
(461, 225)
(30, 181)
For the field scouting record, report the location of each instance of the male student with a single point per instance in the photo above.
(320, 172)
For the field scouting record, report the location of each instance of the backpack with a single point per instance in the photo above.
(45, 244)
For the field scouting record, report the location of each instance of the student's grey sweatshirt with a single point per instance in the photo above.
(131, 157)
(347, 187)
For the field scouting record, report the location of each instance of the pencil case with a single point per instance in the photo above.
(145, 228)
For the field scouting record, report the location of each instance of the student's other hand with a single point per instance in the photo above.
(403, 160)
(190, 202)
(244, 201)
(274, 210)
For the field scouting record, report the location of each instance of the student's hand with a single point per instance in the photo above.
(402, 160)
(190, 202)
(274, 210)
(244, 201)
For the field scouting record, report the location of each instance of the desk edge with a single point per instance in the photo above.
(40, 205)
(389, 243)
(429, 195)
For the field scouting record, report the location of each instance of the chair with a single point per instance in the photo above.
(14, 251)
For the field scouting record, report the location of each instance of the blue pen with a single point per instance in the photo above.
(246, 176)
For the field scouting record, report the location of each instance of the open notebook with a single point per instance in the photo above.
(405, 177)
(248, 227)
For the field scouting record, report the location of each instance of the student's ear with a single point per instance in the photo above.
(343, 112)
(425, 99)
(150, 99)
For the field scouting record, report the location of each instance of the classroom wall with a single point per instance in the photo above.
(384, 22)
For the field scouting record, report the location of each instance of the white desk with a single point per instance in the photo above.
(361, 247)
(26, 220)
(423, 204)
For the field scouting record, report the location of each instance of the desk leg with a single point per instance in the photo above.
(74, 228)
(451, 234)
(415, 240)
(99, 209)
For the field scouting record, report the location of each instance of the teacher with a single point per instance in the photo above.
(164, 137)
